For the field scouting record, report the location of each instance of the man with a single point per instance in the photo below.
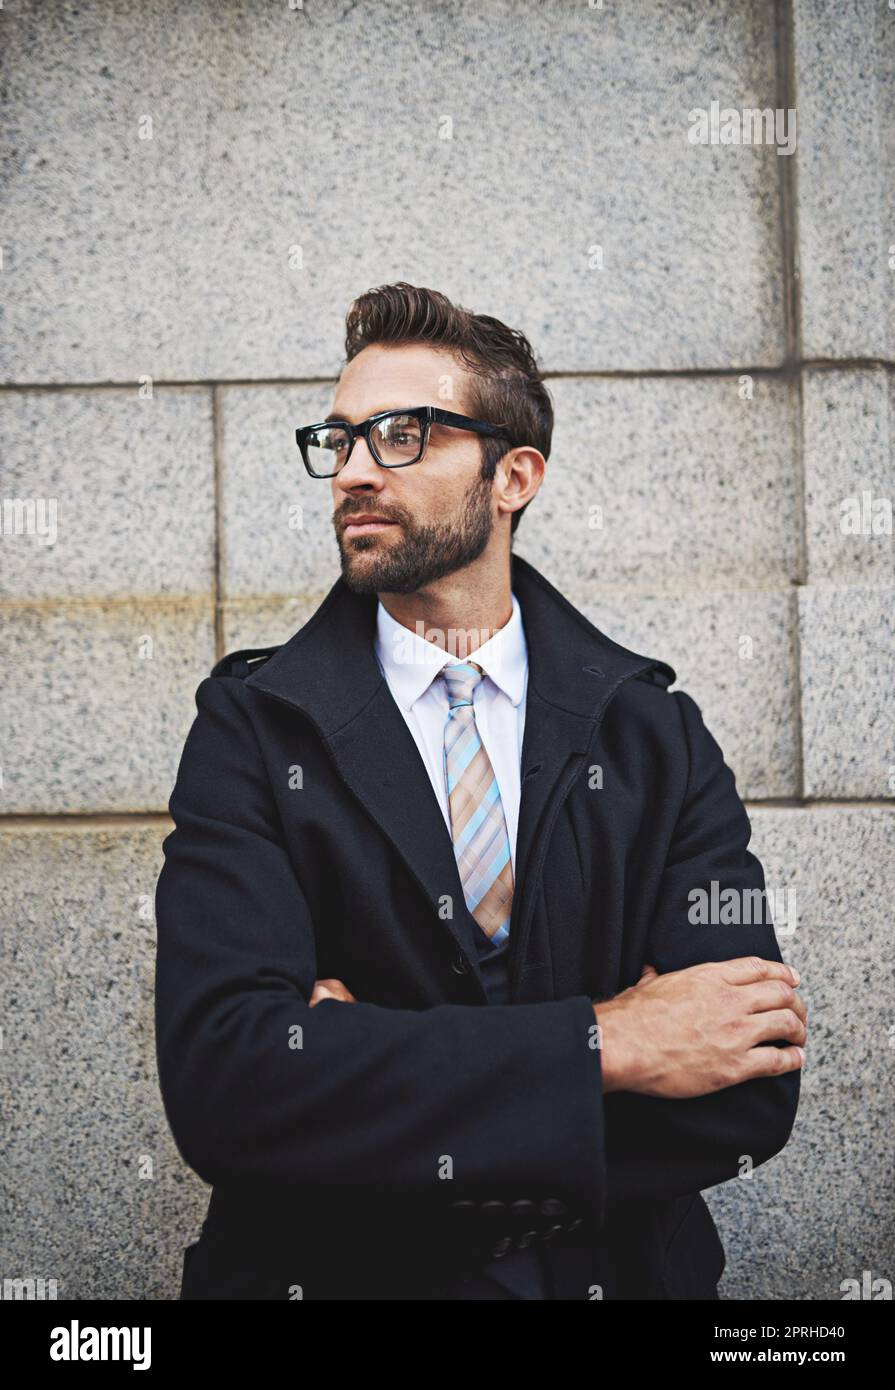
(435, 1016)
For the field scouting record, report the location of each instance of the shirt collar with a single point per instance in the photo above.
(410, 663)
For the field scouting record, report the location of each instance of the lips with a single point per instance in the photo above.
(365, 528)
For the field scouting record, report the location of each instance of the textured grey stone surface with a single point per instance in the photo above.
(93, 1190)
(845, 59)
(97, 701)
(734, 653)
(267, 624)
(131, 483)
(277, 535)
(667, 484)
(847, 640)
(822, 1210)
(284, 176)
(849, 453)
(288, 170)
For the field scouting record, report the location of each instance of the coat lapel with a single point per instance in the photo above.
(328, 671)
(573, 672)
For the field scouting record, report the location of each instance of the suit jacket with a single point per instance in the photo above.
(376, 1150)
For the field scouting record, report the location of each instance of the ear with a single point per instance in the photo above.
(523, 470)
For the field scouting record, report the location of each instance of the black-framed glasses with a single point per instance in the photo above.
(395, 438)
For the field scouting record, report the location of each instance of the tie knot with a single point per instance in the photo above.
(461, 680)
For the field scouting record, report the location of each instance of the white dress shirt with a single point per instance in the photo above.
(410, 664)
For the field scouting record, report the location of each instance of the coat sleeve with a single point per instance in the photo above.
(258, 1087)
(659, 1147)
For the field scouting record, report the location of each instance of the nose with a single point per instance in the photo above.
(361, 470)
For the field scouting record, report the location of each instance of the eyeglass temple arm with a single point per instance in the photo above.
(447, 417)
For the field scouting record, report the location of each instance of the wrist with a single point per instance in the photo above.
(617, 1060)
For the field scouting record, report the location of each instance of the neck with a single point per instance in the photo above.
(460, 611)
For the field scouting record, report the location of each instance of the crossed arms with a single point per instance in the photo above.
(264, 1081)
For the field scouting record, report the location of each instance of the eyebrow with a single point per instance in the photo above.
(334, 418)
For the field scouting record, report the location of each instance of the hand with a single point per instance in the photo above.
(330, 989)
(698, 1030)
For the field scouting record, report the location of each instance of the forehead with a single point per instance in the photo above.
(396, 378)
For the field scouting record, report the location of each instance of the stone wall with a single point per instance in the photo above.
(195, 192)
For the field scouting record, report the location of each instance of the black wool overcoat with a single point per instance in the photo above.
(373, 1150)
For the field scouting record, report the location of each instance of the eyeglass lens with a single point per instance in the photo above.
(397, 439)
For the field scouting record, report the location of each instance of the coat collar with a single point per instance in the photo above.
(328, 668)
(328, 671)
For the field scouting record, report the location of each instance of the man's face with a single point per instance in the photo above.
(440, 509)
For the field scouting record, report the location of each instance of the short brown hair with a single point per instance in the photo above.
(506, 388)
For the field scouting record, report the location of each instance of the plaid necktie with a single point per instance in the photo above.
(478, 826)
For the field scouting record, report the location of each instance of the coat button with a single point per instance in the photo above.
(463, 1226)
(500, 1247)
(459, 965)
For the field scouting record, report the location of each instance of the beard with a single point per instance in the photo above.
(421, 554)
